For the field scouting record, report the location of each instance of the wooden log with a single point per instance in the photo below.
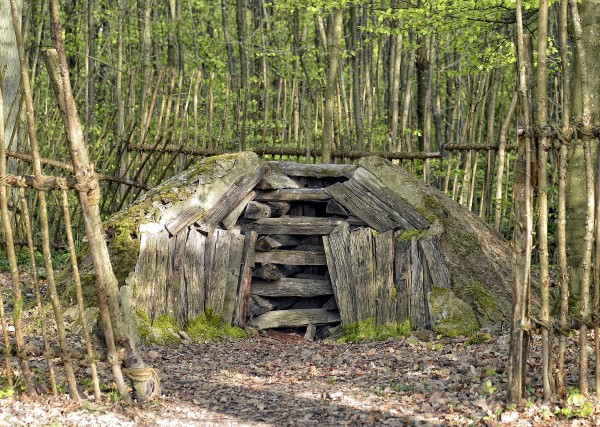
(363, 272)
(267, 243)
(207, 220)
(292, 257)
(334, 208)
(194, 273)
(233, 275)
(292, 225)
(291, 287)
(385, 306)
(339, 264)
(243, 294)
(218, 245)
(356, 205)
(417, 306)
(276, 181)
(312, 170)
(436, 261)
(257, 210)
(413, 219)
(402, 278)
(294, 195)
(295, 318)
(275, 272)
(231, 219)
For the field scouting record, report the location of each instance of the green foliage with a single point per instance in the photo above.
(6, 392)
(578, 406)
(367, 329)
(479, 338)
(163, 331)
(208, 326)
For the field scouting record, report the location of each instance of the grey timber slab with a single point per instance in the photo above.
(295, 318)
(291, 287)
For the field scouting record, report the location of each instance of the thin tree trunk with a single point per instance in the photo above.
(330, 89)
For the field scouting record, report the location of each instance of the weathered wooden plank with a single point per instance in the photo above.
(339, 264)
(293, 225)
(295, 318)
(275, 272)
(385, 307)
(294, 195)
(216, 269)
(436, 261)
(231, 219)
(159, 294)
(356, 205)
(144, 271)
(312, 170)
(334, 208)
(413, 219)
(257, 210)
(176, 285)
(267, 243)
(292, 287)
(194, 273)
(363, 272)
(247, 264)
(402, 278)
(207, 220)
(276, 180)
(292, 257)
(417, 307)
(236, 250)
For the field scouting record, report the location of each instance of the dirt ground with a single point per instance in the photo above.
(281, 380)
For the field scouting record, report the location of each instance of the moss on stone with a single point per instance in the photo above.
(483, 302)
(163, 331)
(450, 315)
(409, 234)
(367, 329)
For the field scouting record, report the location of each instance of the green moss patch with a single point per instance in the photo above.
(208, 326)
(450, 315)
(367, 329)
(163, 331)
(484, 303)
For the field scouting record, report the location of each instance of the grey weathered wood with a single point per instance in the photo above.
(295, 318)
(334, 208)
(312, 170)
(294, 195)
(339, 264)
(363, 272)
(413, 219)
(267, 243)
(436, 261)
(236, 250)
(385, 307)
(356, 205)
(275, 180)
(403, 278)
(144, 271)
(417, 307)
(291, 257)
(247, 264)
(330, 304)
(275, 272)
(207, 220)
(293, 225)
(291, 287)
(259, 305)
(218, 246)
(159, 294)
(194, 273)
(231, 219)
(257, 210)
(176, 286)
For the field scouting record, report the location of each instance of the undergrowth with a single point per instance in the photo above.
(208, 326)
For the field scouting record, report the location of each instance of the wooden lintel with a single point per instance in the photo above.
(293, 225)
(288, 287)
(291, 257)
(295, 195)
(295, 318)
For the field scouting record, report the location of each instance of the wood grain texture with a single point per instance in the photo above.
(295, 318)
(292, 287)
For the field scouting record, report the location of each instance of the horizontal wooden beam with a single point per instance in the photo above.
(294, 195)
(293, 225)
(291, 287)
(291, 257)
(295, 318)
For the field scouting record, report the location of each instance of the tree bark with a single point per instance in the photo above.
(331, 84)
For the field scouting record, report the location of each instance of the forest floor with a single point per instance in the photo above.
(279, 379)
